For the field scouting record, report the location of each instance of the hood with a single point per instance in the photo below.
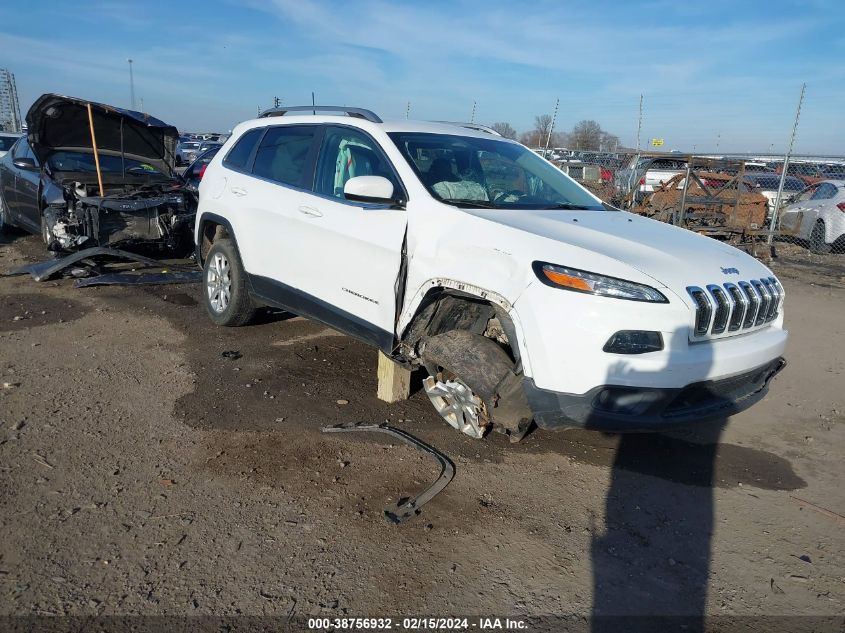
(673, 256)
(57, 122)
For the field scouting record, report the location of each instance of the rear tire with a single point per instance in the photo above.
(225, 287)
(817, 243)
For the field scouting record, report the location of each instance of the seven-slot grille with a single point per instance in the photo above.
(734, 307)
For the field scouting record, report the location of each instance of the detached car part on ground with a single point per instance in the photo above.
(76, 193)
(521, 294)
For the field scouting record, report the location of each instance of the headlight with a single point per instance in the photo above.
(591, 283)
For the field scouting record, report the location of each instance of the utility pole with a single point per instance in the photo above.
(551, 128)
(472, 116)
(634, 171)
(774, 223)
(131, 85)
(639, 126)
(142, 104)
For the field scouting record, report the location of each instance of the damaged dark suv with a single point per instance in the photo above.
(89, 174)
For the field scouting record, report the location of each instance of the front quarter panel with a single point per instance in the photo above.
(449, 248)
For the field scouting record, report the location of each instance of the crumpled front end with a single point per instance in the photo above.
(145, 215)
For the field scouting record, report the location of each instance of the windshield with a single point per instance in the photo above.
(84, 162)
(485, 172)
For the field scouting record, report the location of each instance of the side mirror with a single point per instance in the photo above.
(374, 189)
(25, 163)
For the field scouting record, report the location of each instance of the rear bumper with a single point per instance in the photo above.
(625, 408)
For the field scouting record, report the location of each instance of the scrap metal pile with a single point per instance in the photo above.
(707, 200)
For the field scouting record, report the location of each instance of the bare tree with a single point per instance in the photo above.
(505, 129)
(542, 126)
(609, 142)
(587, 135)
(537, 137)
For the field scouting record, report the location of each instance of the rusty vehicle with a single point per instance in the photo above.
(710, 202)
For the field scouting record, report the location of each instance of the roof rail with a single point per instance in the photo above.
(472, 126)
(359, 113)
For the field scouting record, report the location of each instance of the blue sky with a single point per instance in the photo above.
(715, 75)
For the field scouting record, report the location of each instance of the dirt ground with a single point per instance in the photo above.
(142, 472)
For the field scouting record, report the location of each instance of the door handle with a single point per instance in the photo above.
(238, 191)
(314, 213)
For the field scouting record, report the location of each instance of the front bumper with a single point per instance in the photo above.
(624, 408)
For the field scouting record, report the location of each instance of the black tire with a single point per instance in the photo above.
(483, 366)
(5, 220)
(238, 308)
(817, 243)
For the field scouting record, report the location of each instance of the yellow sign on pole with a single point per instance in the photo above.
(657, 142)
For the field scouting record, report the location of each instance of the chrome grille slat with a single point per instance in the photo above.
(766, 299)
(754, 304)
(740, 306)
(703, 312)
(773, 307)
(733, 307)
(776, 285)
(723, 309)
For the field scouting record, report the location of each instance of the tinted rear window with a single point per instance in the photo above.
(240, 153)
(283, 153)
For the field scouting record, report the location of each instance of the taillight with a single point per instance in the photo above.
(606, 175)
(841, 206)
(202, 171)
(642, 181)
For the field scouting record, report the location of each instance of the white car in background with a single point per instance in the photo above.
(7, 139)
(818, 216)
(521, 294)
(767, 184)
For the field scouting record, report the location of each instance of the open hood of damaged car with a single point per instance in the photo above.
(55, 121)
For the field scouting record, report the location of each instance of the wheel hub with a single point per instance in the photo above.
(457, 404)
(219, 283)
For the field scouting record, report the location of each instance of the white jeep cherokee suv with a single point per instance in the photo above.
(521, 293)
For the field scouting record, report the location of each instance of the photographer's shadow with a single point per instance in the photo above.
(653, 556)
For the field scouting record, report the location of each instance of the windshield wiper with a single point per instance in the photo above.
(480, 204)
(567, 206)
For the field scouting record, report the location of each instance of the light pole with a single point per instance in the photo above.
(131, 85)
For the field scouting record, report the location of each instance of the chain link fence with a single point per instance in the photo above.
(743, 199)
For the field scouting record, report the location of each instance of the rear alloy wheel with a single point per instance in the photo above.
(226, 295)
(817, 243)
(457, 404)
(219, 283)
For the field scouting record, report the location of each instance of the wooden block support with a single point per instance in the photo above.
(394, 381)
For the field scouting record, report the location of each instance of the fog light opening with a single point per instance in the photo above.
(634, 342)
